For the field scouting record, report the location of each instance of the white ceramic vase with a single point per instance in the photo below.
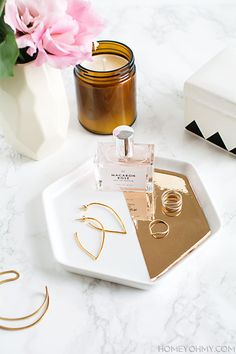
(34, 110)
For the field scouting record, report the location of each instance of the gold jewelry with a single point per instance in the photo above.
(79, 244)
(158, 234)
(17, 276)
(45, 303)
(172, 203)
(123, 231)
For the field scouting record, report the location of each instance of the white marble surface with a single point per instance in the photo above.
(193, 304)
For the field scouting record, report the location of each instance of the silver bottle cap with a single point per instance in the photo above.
(124, 141)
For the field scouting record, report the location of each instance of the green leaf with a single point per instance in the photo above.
(8, 49)
(2, 4)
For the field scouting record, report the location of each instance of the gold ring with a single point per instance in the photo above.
(158, 234)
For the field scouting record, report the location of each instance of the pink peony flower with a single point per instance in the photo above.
(60, 31)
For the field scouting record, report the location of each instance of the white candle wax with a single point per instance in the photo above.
(104, 62)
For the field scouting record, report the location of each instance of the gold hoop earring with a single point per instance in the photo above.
(12, 319)
(123, 231)
(158, 234)
(79, 244)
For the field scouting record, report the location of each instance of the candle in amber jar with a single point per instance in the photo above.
(105, 88)
(105, 62)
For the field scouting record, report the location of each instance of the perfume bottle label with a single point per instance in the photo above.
(124, 177)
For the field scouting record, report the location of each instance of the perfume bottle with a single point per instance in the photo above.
(123, 165)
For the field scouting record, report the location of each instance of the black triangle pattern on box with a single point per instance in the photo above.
(233, 151)
(215, 138)
(194, 128)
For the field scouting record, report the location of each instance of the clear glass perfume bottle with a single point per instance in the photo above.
(123, 165)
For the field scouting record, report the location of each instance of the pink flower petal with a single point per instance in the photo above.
(26, 17)
(26, 41)
(90, 24)
(10, 14)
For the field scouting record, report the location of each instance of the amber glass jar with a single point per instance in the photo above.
(107, 98)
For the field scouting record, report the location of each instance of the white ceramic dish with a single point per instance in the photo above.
(121, 260)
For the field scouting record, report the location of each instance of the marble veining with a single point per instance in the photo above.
(194, 303)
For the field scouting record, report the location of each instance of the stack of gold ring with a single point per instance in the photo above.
(172, 202)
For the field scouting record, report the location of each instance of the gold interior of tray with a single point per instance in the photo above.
(187, 230)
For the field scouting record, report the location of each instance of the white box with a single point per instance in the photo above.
(210, 101)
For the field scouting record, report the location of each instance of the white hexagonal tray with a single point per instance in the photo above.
(121, 260)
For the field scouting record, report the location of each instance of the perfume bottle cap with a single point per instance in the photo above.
(124, 141)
